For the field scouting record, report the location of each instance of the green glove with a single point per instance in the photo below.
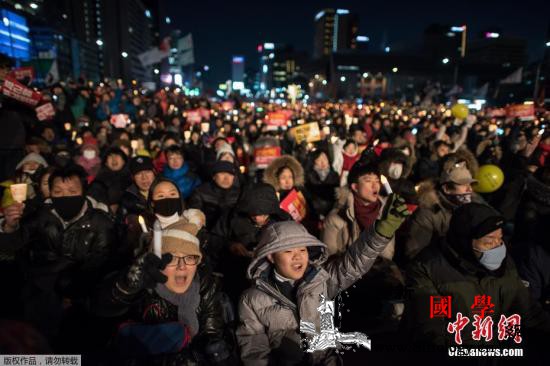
(395, 212)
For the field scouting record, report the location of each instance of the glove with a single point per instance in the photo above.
(145, 273)
(395, 213)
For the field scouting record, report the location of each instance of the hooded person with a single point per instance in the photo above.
(175, 291)
(220, 194)
(397, 167)
(237, 234)
(112, 179)
(438, 201)
(134, 199)
(25, 172)
(290, 273)
(321, 183)
(472, 260)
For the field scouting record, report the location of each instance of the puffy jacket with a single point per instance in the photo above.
(439, 270)
(268, 318)
(430, 221)
(186, 180)
(132, 201)
(213, 200)
(341, 228)
(74, 255)
(322, 193)
(108, 186)
(149, 307)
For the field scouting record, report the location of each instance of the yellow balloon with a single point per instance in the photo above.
(460, 111)
(489, 179)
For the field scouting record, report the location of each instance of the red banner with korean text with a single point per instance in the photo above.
(194, 116)
(17, 91)
(263, 156)
(22, 73)
(45, 112)
(274, 120)
(295, 204)
(521, 111)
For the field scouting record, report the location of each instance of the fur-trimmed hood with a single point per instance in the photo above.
(284, 161)
(430, 197)
(462, 154)
(393, 155)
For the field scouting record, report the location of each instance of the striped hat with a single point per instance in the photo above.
(181, 236)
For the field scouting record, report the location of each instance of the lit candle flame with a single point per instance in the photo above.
(386, 184)
(141, 221)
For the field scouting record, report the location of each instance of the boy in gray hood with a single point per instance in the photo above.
(290, 272)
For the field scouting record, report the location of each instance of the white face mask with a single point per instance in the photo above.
(88, 154)
(395, 170)
(166, 221)
(29, 172)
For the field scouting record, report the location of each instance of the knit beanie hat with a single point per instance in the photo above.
(181, 236)
(225, 148)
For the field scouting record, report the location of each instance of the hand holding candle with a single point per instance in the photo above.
(386, 184)
(19, 192)
(157, 239)
(141, 221)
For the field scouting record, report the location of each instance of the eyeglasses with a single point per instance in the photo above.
(189, 260)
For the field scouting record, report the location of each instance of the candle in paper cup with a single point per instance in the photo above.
(19, 192)
(67, 126)
(187, 135)
(141, 221)
(205, 127)
(386, 184)
(157, 239)
(134, 144)
(326, 130)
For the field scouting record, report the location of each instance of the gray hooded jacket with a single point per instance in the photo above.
(267, 316)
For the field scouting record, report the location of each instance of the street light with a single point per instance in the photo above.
(156, 71)
(445, 60)
(548, 44)
(365, 75)
(124, 54)
(342, 78)
(33, 6)
(99, 42)
(387, 49)
(395, 69)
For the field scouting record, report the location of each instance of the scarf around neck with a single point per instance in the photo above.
(187, 303)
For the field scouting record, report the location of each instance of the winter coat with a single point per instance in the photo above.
(431, 220)
(284, 161)
(132, 201)
(149, 308)
(184, 178)
(109, 186)
(341, 229)
(439, 270)
(268, 319)
(213, 200)
(322, 192)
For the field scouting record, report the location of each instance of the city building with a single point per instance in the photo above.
(335, 30)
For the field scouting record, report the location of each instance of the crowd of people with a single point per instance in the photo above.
(168, 239)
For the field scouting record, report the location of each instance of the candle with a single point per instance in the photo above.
(187, 135)
(134, 145)
(157, 238)
(67, 126)
(386, 184)
(142, 224)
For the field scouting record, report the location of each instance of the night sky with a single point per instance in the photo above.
(224, 28)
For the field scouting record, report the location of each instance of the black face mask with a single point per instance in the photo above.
(167, 206)
(68, 207)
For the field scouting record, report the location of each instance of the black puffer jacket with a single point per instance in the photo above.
(322, 192)
(148, 307)
(133, 202)
(109, 186)
(213, 200)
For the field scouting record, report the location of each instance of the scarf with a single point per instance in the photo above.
(366, 215)
(322, 173)
(187, 303)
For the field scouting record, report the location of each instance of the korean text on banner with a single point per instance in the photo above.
(194, 116)
(263, 156)
(120, 120)
(45, 112)
(308, 132)
(274, 120)
(521, 111)
(22, 73)
(17, 91)
(295, 204)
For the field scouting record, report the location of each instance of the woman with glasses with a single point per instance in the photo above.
(174, 303)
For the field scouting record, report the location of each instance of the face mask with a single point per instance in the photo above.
(492, 259)
(68, 207)
(88, 154)
(166, 221)
(322, 173)
(167, 207)
(29, 172)
(460, 199)
(395, 170)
